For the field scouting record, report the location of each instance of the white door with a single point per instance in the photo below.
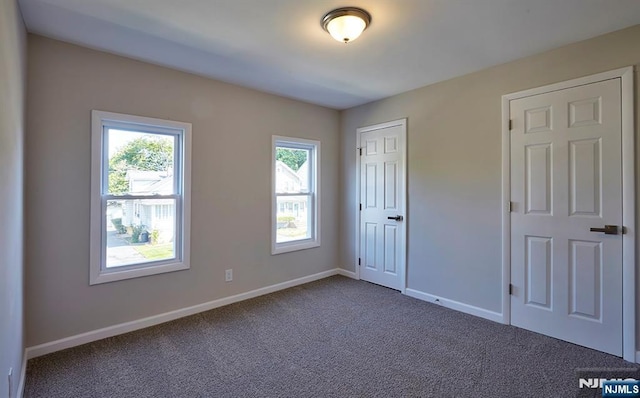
(382, 204)
(566, 178)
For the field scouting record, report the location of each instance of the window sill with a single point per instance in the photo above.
(294, 246)
(129, 273)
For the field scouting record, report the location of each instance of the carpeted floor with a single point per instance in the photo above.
(332, 338)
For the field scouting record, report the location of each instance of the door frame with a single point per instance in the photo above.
(628, 198)
(403, 226)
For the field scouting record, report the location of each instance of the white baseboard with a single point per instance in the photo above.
(88, 337)
(455, 305)
(348, 274)
(23, 376)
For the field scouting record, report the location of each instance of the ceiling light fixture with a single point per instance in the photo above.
(346, 24)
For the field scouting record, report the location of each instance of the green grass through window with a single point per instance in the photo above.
(156, 252)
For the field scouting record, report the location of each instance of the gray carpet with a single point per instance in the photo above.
(332, 338)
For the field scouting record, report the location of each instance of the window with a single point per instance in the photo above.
(140, 196)
(164, 211)
(296, 194)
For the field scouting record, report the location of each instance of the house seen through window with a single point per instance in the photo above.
(141, 228)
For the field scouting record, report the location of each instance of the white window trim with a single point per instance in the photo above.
(314, 241)
(97, 272)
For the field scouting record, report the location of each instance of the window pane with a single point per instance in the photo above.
(292, 170)
(293, 220)
(140, 163)
(140, 231)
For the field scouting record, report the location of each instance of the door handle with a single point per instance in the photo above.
(397, 218)
(608, 229)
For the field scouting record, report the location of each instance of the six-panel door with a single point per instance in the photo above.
(381, 196)
(566, 178)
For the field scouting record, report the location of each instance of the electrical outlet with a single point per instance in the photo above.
(228, 275)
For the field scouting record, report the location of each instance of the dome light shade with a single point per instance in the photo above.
(346, 24)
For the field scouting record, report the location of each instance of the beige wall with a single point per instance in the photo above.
(232, 129)
(454, 165)
(12, 97)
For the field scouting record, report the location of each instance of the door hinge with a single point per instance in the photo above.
(510, 124)
(510, 206)
(360, 206)
(360, 151)
(510, 289)
(359, 262)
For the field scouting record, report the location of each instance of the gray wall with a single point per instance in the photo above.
(454, 165)
(13, 52)
(232, 130)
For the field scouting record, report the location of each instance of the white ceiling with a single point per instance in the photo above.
(278, 46)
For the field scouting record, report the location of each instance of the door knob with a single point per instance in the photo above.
(397, 218)
(608, 229)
